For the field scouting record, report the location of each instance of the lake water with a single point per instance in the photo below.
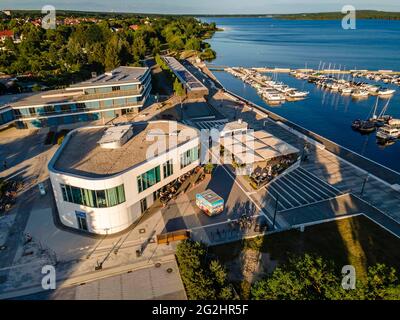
(374, 45)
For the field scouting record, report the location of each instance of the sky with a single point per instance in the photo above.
(199, 7)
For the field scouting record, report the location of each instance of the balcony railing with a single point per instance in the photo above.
(113, 94)
(75, 111)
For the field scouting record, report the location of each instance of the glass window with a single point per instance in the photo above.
(89, 198)
(121, 193)
(168, 168)
(24, 112)
(116, 88)
(93, 198)
(112, 197)
(189, 156)
(119, 102)
(49, 109)
(143, 205)
(129, 87)
(148, 179)
(76, 195)
(108, 103)
(132, 100)
(64, 192)
(101, 198)
(40, 110)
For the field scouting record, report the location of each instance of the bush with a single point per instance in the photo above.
(313, 278)
(203, 279)
(209, 167)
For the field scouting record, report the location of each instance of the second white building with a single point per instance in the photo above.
(104, 178)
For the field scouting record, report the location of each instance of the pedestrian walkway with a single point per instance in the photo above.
(338, 170)
(296, 189)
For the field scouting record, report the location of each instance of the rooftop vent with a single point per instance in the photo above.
(115, 137)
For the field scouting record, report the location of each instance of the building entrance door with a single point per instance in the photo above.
(82, 221)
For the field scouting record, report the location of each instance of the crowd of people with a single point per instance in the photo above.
(262, 175)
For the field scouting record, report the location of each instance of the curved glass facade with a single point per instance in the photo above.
(94, 198)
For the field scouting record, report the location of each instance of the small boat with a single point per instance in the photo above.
(346, 91)
(297, 94)
(381, 119)
(388, 133)
(335, 87)
(363, 126)
(273, 97)
(360, 94)
(386, 92)
(394, 123)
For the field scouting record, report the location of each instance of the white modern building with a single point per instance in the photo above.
(104, 97)
(105, 177)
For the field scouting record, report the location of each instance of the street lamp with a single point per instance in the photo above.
(275, 211)
(363, 185)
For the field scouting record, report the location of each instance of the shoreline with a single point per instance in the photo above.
(387, 175)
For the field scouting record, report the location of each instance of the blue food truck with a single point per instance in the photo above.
(210, 203)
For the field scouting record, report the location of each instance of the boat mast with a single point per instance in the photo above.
(384, 108)
(376, 105)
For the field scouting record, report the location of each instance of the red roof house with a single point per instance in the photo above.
(134, 27)
(6, 34)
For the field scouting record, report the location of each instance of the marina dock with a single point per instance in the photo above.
(362, 185)
(212, 67)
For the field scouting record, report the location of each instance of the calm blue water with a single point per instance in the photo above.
(259, 42)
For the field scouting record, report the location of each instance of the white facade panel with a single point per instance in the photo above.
(117, 218)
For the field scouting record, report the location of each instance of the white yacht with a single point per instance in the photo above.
(335, 87)
(297, 94)
(346, 90)
(388, 133)
(273, 96)
(386, 92)
(360, 94)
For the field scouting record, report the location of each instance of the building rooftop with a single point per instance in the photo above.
(233, 126)
(186, 77)
(118, 76)
(257, 146)
(81, 154)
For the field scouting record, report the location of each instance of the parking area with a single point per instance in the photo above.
(297, 188)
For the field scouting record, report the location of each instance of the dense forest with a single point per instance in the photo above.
(302, 277)
(69, 53)
(361, 14)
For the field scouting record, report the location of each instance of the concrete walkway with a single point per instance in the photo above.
(381, 200)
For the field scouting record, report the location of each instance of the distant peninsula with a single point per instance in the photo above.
(361, 14)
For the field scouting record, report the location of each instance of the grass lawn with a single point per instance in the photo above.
(357, 241)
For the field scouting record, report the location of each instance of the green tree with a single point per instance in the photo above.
(203, 279)
(190, 255)
(208, 54)
(175, 42)
(178, 88)
(112, 59)
(156, 44)
(312, 278)
(193, 44)
(219, 276)
(139, 47)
